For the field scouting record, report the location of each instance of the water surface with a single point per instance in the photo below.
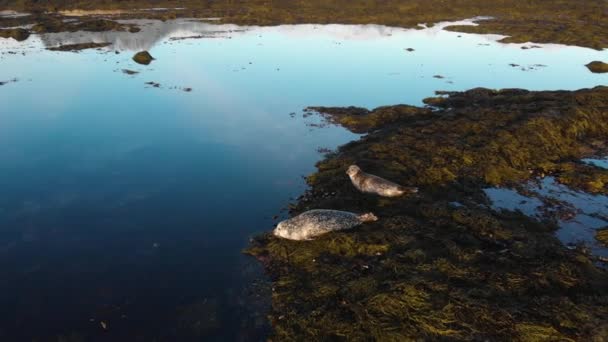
(128, 204)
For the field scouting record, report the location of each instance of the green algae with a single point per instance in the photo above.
(432, 270)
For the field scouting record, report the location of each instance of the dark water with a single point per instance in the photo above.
(125, 206)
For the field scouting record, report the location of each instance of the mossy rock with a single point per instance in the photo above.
(17, 34)
(143, 57)
(597, 67)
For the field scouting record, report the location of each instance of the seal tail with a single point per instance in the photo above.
(368, 217)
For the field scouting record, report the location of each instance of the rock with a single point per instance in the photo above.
(597, 67)
(130, 72)
(153, 84)
(17, 34)
(143, 57)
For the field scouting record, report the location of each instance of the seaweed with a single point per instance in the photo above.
(432, 270)
(602, 236)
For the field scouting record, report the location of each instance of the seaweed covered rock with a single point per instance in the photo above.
(443, 265)
(496, 136)
(17, 34)
(597, 67)
(143, 58)
(602, 236)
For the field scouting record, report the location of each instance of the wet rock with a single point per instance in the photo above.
(597, 67)
(7, 82)
(143, 58)
(17, 34)
(79, 46)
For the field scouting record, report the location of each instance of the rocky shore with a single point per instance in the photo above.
(443, 264)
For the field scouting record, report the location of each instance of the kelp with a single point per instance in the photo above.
(441, 265)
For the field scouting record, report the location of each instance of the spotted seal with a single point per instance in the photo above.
(371, 184)
(317, 222)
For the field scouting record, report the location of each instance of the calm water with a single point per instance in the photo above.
(126, 205)
(579, 214)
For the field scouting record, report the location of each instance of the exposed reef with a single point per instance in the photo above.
(443, 264)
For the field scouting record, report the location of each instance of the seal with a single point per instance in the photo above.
(314, 223)
(371, 184)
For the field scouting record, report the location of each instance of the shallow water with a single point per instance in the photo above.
(128, 204)
(577, 214)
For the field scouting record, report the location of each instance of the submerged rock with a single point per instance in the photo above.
(317, 222)
(17, 34)
(143, 57)
(597, 67)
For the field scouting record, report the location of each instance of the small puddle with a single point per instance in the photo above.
(603, 163)
(578, 214)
